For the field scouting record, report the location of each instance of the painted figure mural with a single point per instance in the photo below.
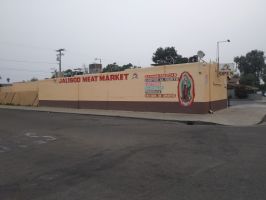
(186, 89)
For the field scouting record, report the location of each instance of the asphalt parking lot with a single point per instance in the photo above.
(53, 156)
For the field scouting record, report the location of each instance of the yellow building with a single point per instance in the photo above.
(183, 88)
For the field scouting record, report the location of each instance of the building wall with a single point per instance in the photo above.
(218, 92)
(183, 88)
(6, 89)
(27, 86)
(95, 68)
(24, 94)
(51, 92)
(146, 89)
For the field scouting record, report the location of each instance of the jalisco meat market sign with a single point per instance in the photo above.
(114, 77)
(154, 84)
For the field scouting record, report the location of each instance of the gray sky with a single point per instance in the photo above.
(122, 31)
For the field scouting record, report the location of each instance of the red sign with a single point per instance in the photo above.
(91, 78)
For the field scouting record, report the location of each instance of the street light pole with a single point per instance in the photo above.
(218, 50)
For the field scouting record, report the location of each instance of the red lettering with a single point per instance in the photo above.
(85, 79)
(102, 78)
(112, 77)
(126, 76)
(116, 77)
(73, 80)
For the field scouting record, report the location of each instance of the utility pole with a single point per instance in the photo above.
(99, 60)
(59, 56)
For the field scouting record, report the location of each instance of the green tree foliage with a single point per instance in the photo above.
(128, 66)
(252, 67)
(68, 73)
(33, 79)
(112, 68)
(249, 79)
(264, 75)
(168, 55)
(116, 68)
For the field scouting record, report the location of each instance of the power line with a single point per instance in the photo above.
(25, 46)
(22, 70)
(49, 49)
(37, 47)
(26, 61)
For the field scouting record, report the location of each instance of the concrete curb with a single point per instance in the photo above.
(233, 116)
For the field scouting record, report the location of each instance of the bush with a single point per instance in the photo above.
(241, 92)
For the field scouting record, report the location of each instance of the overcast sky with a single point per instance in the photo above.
(122, 31)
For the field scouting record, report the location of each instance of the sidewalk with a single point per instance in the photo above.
(240, 115)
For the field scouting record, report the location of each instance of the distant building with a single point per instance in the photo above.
(95, 68)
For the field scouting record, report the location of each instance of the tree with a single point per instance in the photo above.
(252, 67)
(263, 88)
(264, 75)
(34, 79)
(168, 55)
(116, 68)
(128, 66)
(68, 73)
(112, 68)
(165, 56)
(249, 79)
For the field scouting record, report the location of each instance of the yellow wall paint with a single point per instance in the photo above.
(25, 98)
(52, 90)
(27, 86)
(6, 89)
(208, 86)
(219, 85)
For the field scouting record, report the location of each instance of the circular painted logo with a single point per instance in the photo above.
(186, 89)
